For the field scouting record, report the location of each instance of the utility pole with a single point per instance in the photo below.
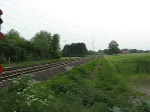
(1, 21)
(92, 43)
(65, 50)
(1, 36)
(93, 48)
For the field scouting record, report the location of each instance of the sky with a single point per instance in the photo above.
(125, 21)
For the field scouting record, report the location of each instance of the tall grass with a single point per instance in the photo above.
(133, 67)
(134, 71)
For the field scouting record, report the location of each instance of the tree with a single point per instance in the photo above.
(75, 49)
(90, 52)
(66, 50)
(100, 51)
(55, 46)
(12, 46)
(41, 42)
(113, 47)
(106, 51)
(15, 47)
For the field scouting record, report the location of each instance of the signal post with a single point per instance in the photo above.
(1, 36)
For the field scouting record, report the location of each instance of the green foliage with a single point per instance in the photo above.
(55, 46)
(113, 47)
(20, 84)
(12, 46)
(75, 50)
(99, 107)
(145, 106)
(41, 42)
(42, 46)
(116, 109)
(93, 87)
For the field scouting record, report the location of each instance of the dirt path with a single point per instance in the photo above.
(145, 89)
(96, 69)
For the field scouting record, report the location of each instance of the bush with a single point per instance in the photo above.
(145, 106)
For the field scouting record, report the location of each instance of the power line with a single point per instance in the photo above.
(22, 13)
(11, 17)
(19, 32)
(44, 18)
(24, 27)
(18, 26)
(93, 48)
(34, 18)
(65, 32)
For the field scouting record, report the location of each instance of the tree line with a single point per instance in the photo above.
(43, 45)
(75, 50)
(113, 48)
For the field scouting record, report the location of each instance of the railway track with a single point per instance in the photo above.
(11, 73)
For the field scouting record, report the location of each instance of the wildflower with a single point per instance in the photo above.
(18, 93)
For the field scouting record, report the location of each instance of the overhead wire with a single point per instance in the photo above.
(25, 16)
(12, 18)
(17, 26)
(64, 30)
(41, 23)
(20, 34)
(31, 17)
(45, 18)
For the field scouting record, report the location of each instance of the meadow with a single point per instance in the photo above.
(131, 68)
(102, 85)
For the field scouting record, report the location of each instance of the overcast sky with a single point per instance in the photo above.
(126, 21)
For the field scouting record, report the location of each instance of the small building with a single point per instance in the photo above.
(125, 51)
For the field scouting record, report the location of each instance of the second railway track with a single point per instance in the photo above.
(9, 74)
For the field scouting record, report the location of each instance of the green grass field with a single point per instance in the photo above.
(132, 68)
(103, 85)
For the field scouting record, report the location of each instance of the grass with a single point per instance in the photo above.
(99, 86)
(132, 67)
